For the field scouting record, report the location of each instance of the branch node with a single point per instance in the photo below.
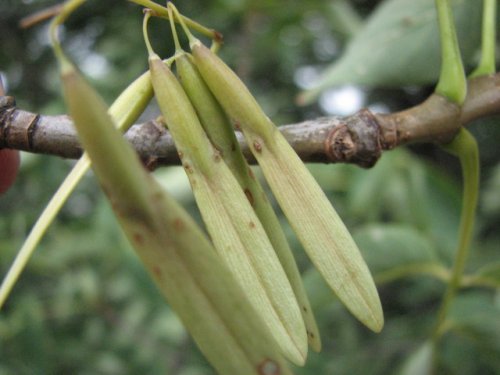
(7, 107)
(339, 144)
(357, 140)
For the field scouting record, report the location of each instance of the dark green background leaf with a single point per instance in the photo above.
(374, 57)
(394, 250)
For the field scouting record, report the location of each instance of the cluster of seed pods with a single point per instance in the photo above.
(239, 294)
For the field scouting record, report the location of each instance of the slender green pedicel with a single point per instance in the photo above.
(177, 254)
(221, 134)
(237, 234)
(317, 225)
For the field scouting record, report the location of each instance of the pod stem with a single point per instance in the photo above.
(68, 7)
(487, 63)
(43, 222)
(178, 48)
(463, 146)
(452, 82)
(179, 17)
(162, 11)
(145, 22)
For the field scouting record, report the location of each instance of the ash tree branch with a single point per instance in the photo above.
(360, 138)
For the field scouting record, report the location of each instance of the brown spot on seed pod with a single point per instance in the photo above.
(157, 271)
(188, 168)
(257, 146)
(249, 195)
(250, 173)
(138, 238)
(181, 155)
(178, 224)
(304, 308)
(268, 367)
(217, 155)
(251, 224)
(237, 125)
(310, 334)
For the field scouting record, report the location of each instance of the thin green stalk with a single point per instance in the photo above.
(453, 85)
(487, 62)
(40, 227)
(452, 82)
(125, 111)
(177, 44)
(162, 11)
(464, 146)
(68, 7)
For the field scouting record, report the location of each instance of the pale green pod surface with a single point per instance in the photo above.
(234, 227)
(132, 101)
(181, 119)
(211, 116)
(86, 107)
(221, 134)
(219, 77)
(317, 225)
(177, 254)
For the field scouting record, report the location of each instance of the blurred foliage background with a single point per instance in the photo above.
(86, 306)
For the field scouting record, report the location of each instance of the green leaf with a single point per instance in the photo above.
(394, 250)
(375, 56)
(489, 275)
(472, 342)
(403, 189)
(476, 312)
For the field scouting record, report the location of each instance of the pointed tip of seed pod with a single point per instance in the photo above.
(366, 306)
(296, 355)
(377, 324)
(375, 319)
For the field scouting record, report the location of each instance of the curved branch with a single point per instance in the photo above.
(359, 138)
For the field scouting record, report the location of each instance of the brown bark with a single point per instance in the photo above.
(359, 139)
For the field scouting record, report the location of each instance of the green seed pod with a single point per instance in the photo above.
(234, 227)
(130, 104)
(179, 257)
(317, 225)
(221, 134)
